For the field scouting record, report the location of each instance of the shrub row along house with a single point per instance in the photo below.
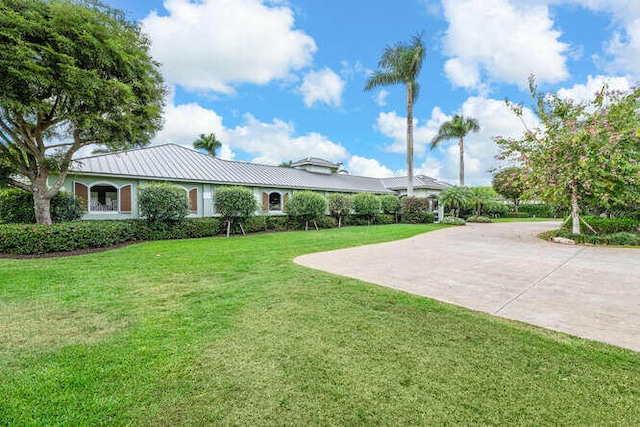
(109, 183)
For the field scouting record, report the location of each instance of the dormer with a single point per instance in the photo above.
(316, 165)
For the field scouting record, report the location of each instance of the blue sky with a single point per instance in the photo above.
(279, 80)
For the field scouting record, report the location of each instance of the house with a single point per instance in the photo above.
(109, 182)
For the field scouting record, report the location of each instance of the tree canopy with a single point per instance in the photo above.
(510, 184)
(456, 128)
(583, 153)
(401, 64)
(73, 73)
(209, 143)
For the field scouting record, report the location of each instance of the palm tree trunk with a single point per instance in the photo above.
(409, 139)
(461, 162)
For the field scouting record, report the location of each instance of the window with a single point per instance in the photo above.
(103, 198)
(275, 202)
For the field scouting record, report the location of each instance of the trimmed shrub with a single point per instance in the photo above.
(515, 215)
(495, 208)
(255, 224)
(16, 206)
(451, 220)
(390, 204)
(307, 206)
(482, 219)
(163, 203)
(366, 205)
(279, 223)
(327, 222)
(384, 219)
(607, 225)
(69, 236)
(356, 220)
(415, 210)
(339, 206)
(235, 205)
(620, 238)
(66, 207)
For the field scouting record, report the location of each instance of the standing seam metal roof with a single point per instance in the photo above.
(175, 162)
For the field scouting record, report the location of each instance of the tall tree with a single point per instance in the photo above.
(457, 128)
(510, 184)
(72, 73)
(208, 143)
(584, 153)
(401, 64)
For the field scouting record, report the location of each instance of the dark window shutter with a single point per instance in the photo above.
(284, 203)
(82, 192)
(265, 202)
(193, 200)
(125, 198)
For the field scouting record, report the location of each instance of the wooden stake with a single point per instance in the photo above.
(242, 229)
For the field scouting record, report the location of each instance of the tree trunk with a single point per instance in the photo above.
(575, 216)
(41, 204)
(461, 162)
(409, 139)
(516, 203)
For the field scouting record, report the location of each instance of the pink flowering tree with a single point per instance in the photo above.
(582, 153)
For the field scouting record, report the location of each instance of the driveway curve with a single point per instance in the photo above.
(505, 270)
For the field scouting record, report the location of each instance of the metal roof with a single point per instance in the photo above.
(315, 161)
(419, 181)
(178, 163)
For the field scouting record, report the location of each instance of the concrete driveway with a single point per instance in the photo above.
(503, 269)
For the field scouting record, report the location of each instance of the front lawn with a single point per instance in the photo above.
(231, 331)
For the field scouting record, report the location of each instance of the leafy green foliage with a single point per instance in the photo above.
(510, 184)
(582, 153)
(73, 71)
(236, 203)
(456, 128)
(479, 197)
(16, 206)
(209, 143)
(66, 207)
(401, 64)
(389, 204)
(495, 208)
(481, 219)
(307, 206)
(367, 205)
(622, 238)
(610, 225)
(339, 205)
(456, 199)
(450, 220)
(163, 203)
(415, 210)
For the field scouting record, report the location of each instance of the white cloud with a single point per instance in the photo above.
(625, 49)
(214, 44)
(495, 119)
(502, 40)
(367, 167)
(272, 143)
(322, 86)
(381, 98)
(462, 74)
(395, 127)
(586, 92)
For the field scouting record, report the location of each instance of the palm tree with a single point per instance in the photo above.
(458, 127)
(207, 142)
(456, 199)
(401, 64)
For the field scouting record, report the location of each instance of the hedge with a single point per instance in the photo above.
(607, 225)
(24, 239)
(621, 238)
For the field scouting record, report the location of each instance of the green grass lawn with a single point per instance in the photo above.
(231, 331)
